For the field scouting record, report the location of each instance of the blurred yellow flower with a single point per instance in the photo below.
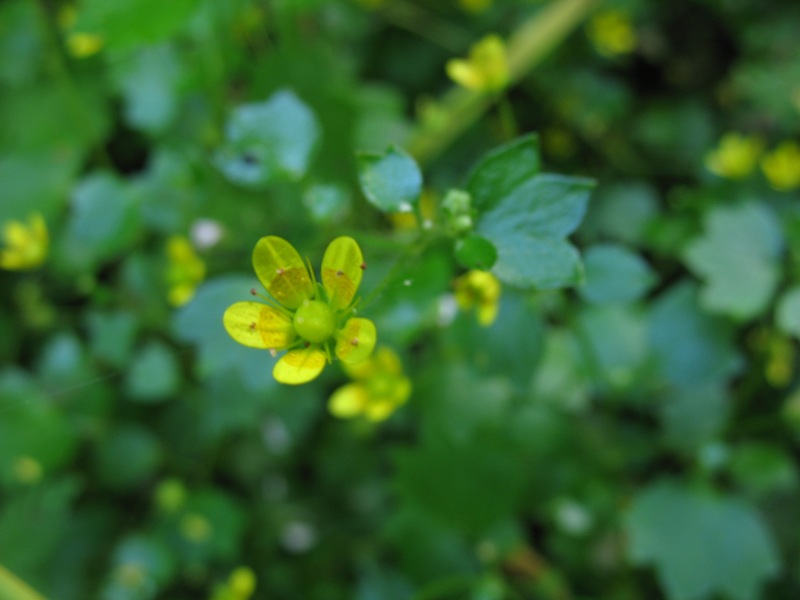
(313, 322)
(240, 585)
(475, 6)
(380, 388)
(195, 528)
(479, 290)
(185, 270)
(79, 44)
(27, 470)
(25, 244)
(612, 33)
(735, 156)
(782, 166)
(486, 69)
(779, 366)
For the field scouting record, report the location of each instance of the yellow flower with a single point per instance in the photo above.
(735, 157)
(611, 32)
(486, 69)
(79, 44)
(240, 586)
(481, 290)
(475, 6)
(185, 270)
(26, 245)
(27, 470)
(312, 321)
(782, 166)
(380, 387)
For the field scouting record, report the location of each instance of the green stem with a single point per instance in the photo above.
(13, 588)
(507, 118)
(527, 47)
(426, 25)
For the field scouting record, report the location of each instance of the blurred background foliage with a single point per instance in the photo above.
(620, 426)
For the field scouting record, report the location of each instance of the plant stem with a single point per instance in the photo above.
(527, 47)
(13, 588)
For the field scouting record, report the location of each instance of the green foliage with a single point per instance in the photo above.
(586, 298)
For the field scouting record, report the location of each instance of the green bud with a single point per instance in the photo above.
(314, 321)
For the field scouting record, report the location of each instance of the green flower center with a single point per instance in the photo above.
(314, 321)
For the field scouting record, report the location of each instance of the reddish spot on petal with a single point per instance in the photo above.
(339, 273)
(252, 326)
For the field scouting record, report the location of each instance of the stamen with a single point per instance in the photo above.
(363, 266)
(273, 352)
(280, 271)
(354, 341)
(253, 292)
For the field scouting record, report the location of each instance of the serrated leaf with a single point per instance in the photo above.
(391, 181)
(269, 141)
(701, 543)
(502, 170)
(528, 227)
(615, 274)
(737, 258)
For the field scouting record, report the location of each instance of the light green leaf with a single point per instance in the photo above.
(502, 170)
(691, 347)
(615, 274)
(701, 543)
(528, 227)
(689, 417)
(788, 312)
(154, 374)
(391, 181)
(269, 141)
(737, 258)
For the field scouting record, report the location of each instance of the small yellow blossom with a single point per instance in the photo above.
(480, 290)
(486, 69)
(475, 6)
(185, 270)
(240, 586)
(380, 388)
(311, 321)
(26, 245)
(779, 366)
(79, 44)
(611, 33)
(735, 157)
(196, 528)
(782, 166)
(27, 470)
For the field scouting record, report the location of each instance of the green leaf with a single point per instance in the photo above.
(154, 374)
(738, 259)
(788, 312)
(391, 181)
(269, 141)
(615, 274)
(689, 417)
(475, 252)
(105, 220)
(528, 226)
(127, 456)
(701, 543)
(327, 203)
(129, 23)
(690, 346)
(502, 170)
(763, 469)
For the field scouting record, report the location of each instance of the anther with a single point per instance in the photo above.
(280, 271)
(354, 342)
(339, 273)
(253, 292)
(253, 326)
(273, 352)
(363, 266)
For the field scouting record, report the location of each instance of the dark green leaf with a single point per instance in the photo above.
(502, 170)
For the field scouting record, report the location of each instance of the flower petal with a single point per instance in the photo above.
(258, 325)
(348, 401)
(356, 340)
(299, 366)
(342, 271)
(282, 271)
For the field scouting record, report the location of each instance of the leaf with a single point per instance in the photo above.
(615, 274)
(689, 417)
(154, 373)
(788, 312)
(690, 346)
(701, 543)
(502, 170)
(737, 258)
(269, 141)
(528, 226)
(391, 181)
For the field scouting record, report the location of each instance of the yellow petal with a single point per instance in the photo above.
(299, 366)
(348, 401)
(342, 271)
(379, 410)
(281, 270)
(463, 73)
(356, 340)
(258, 325)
